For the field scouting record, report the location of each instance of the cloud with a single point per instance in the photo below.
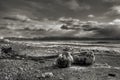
(109, 31)
(70, 33)
(82, 29)
(113, 12)
(74, 5)
(18, 17)
(116, 21)
(116, 8)
(88, 29)
(112, 1)
(95, 29)
(91, 16)
(83, 33)
(46, 8)
(82, 9)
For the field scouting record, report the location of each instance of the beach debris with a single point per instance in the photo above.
(47, 75)
(84, 58)
(64, 59)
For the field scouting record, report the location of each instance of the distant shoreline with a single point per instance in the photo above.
(58, 38)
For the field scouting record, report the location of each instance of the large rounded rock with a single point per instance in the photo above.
(84, 58)
(64, 60)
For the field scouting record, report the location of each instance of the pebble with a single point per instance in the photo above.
(60, 78)
(47, 75)
(20, 68)
(78, 77)
(111, 74)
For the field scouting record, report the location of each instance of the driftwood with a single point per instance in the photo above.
(34, 58)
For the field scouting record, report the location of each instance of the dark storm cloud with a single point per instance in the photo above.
(109, 31)
(93, 29)
(105, 30)
(54, 9)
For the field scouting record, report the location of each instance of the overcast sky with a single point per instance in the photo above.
(100, 10)
(104, 14)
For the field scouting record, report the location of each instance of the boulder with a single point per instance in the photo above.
(64, 60)
(84, 58)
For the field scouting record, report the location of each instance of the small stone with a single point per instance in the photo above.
(47, 75)
(60, 78)
(38, 76)
(20, 68)
(23, 58)
(111, 74)
(6, 77)
(18, 57)
(78, 77)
